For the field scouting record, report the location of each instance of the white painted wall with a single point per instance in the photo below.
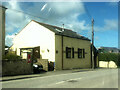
(34, 35)
(105, 64)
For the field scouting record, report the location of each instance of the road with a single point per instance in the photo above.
(100, 78)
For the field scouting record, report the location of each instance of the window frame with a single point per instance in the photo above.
(80, 55)
(73, 53)
(68, 52)
(83, 53)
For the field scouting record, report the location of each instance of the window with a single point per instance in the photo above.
(68, 52)
(83, 53)
(79, 53)
(72, 52)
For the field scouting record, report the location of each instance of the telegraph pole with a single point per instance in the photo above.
(2, 31)
(92, 48)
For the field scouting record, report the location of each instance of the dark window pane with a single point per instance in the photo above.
(83, 53)
(79, 53)
(72, 52)
(68, 52)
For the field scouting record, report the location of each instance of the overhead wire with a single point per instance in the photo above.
(39, 17)
(27, 13)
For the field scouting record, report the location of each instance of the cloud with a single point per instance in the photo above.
(67, 8)
(9, 39)
(67, 13)
(55, 13)
(13, 5)
(108, 25)
(14, 19)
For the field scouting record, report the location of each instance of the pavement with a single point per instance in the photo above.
(8, 78)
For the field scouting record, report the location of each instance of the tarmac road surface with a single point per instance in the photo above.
(100, 78)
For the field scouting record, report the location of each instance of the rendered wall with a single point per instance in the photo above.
(58, 55)
(71, 63)
(34, 35)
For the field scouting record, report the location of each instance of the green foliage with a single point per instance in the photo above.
(110, 57)
(11, 56)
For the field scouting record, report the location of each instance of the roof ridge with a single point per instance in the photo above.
(66, 32)
(51, 25)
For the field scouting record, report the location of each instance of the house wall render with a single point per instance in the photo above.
(53, 44)
(70, 63)
(36, 35)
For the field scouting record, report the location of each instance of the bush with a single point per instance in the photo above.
(110, 57)
(11, 56)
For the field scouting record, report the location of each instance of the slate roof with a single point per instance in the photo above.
(108, 49)
(3, 7)
(66, 32)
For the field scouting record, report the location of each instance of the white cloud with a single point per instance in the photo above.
(14, 19)
(108, 25)
(67, 8)
(9, 29)
(13, 5)
(56, 13)
(9, 39)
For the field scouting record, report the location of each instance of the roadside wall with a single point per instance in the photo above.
(105, 64)
(44, 62)
(16, 67)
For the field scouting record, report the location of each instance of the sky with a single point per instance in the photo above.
(76, 16)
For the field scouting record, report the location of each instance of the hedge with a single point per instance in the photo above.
(110, 57)
(11, 56)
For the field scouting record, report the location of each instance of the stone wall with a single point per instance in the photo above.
(44, 62)
(16, 67)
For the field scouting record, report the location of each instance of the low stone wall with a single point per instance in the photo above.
(16, 67)
(44, 62)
